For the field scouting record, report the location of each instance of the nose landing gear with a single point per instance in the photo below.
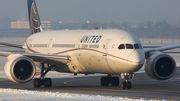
(126, 83)
(47, 82)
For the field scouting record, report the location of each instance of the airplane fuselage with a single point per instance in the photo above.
(91, 51)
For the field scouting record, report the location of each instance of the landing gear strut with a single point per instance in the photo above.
(47, 82)
(105, 81)
(126, 83)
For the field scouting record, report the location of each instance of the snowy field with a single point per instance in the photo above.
(24, 95)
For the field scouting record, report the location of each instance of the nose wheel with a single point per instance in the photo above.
(126, 84)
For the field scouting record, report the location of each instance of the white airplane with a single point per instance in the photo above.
(112, 52)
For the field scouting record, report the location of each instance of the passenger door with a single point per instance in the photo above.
(49, 48)
(105, 50)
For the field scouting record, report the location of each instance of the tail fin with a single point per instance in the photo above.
(34, 20)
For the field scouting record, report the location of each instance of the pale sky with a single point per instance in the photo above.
(96, 10)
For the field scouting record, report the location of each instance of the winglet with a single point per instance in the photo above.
(34, 20)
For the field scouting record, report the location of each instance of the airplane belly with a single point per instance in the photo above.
(94, 63)
(118, 66)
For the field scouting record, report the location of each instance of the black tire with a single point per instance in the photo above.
(47, 82)
(115, 81)
(37, 83)
(123, 85)
(104, 81)
(129, 85)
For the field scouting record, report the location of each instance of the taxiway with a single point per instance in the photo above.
(143, 87)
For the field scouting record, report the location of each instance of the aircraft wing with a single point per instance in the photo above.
(172, 53)
(150, 46)
(11, 45)
(163, 48)
(55, 59)
(52, 59)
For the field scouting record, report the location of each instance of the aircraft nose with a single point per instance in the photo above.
(136, 57)
(136, 60)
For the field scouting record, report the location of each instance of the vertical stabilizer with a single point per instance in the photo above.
(34, 20)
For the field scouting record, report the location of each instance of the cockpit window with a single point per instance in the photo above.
(140, 46)
(121, 46)
(129, 46)
(136, 46)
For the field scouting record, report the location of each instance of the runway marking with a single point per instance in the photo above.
(67, 82)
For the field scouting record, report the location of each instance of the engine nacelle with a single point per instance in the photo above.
(160, 66)
(19, 68)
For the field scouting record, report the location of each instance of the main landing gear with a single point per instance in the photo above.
(114, 81)
(105, 81)
(47, 82)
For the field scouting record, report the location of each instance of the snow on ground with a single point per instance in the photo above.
(25, 95)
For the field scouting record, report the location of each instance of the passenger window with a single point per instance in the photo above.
(136, 46)
(121, 46)
(129, 46)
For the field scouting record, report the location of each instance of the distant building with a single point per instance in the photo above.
(46, 24)
(25, 24)
(19, 25)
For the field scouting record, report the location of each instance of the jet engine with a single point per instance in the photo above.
(19, 68)
(160, 66)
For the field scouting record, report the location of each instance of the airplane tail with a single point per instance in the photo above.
(34, 20)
